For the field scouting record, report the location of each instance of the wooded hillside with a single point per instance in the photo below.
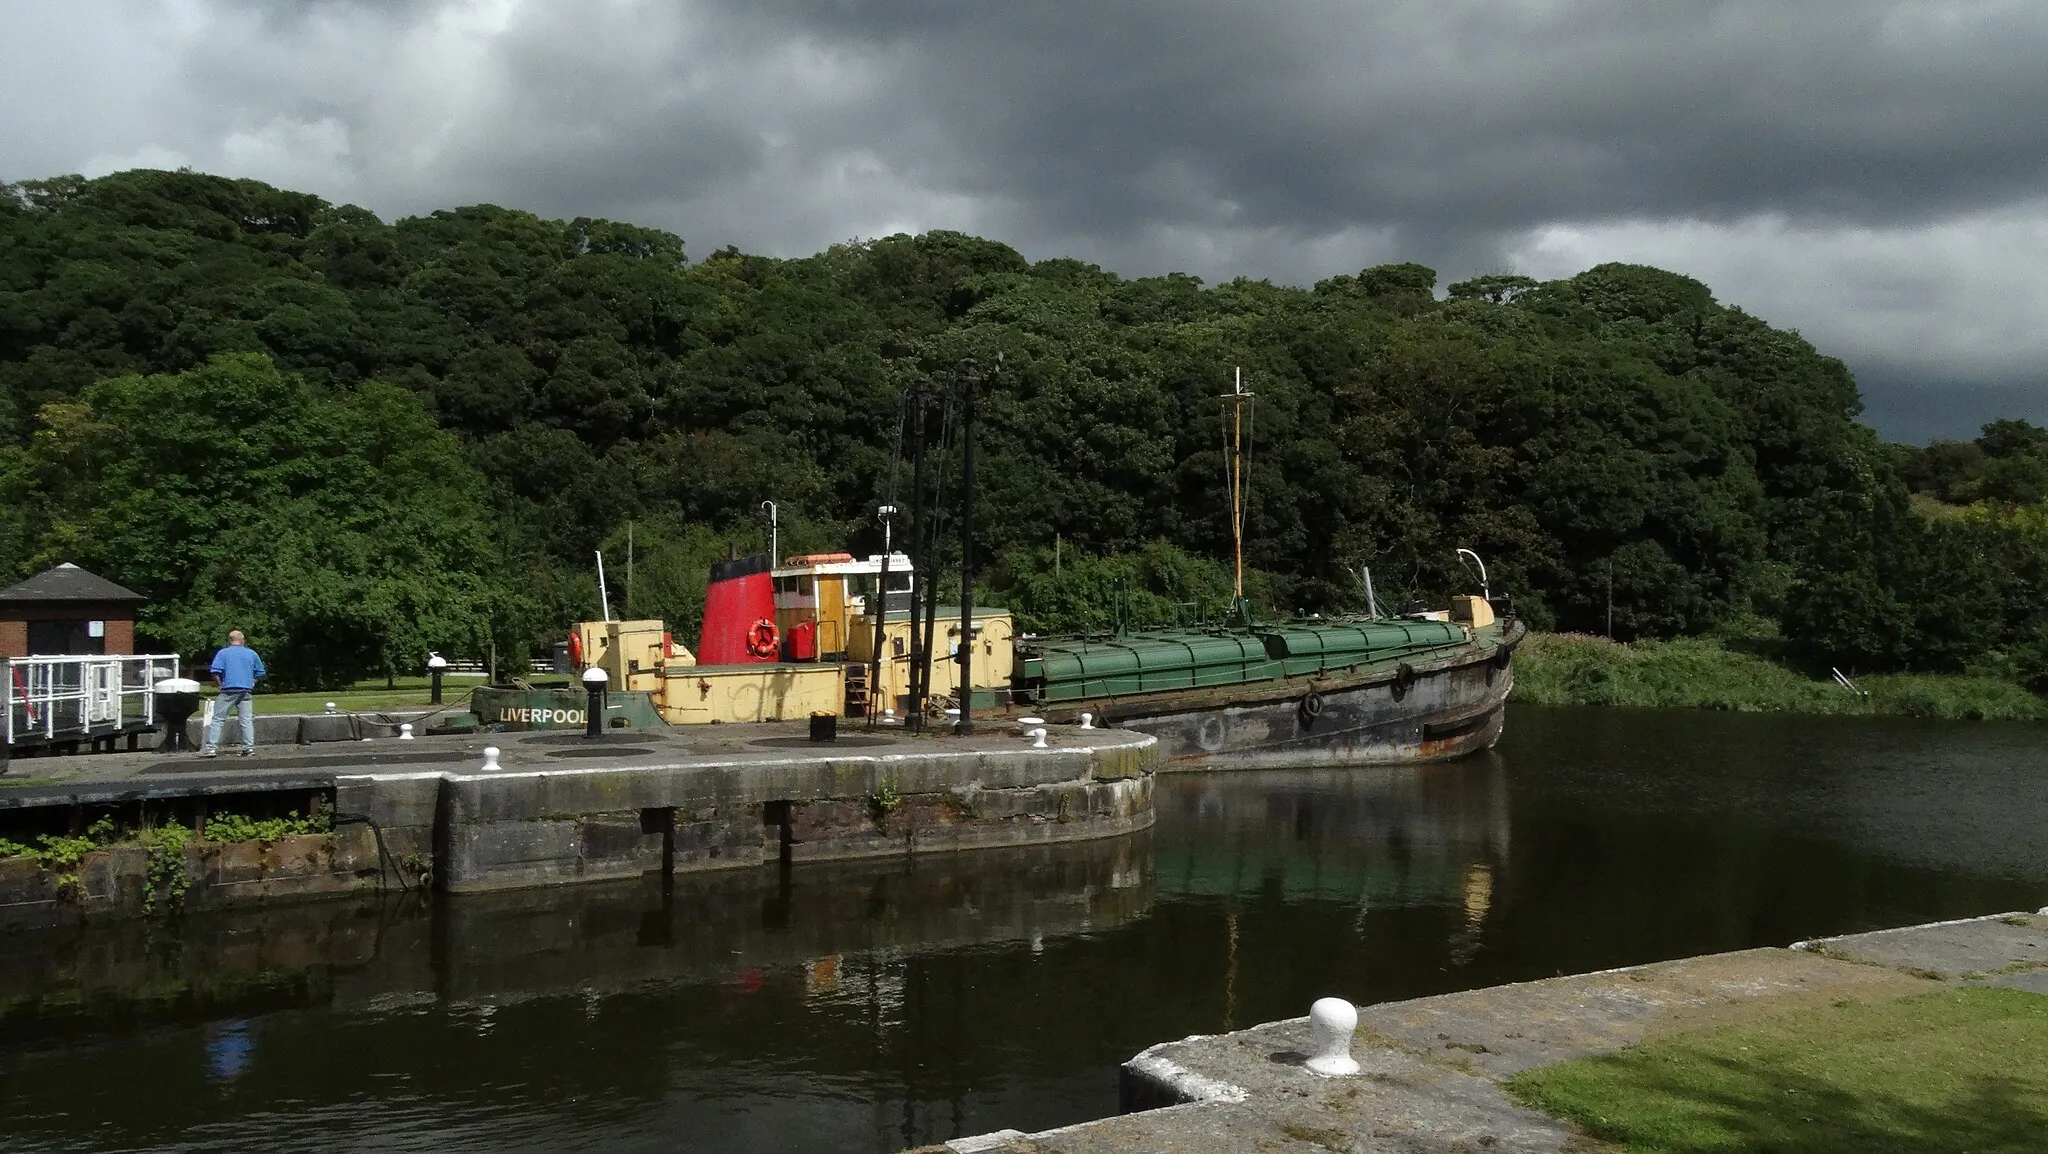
(361, 440)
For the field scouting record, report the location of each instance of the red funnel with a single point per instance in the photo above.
(739, 614)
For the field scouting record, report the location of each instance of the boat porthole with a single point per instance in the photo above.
(1311, 706)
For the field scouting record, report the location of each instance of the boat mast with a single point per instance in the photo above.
(1235, 475)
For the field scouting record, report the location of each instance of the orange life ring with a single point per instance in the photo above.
(762, 640)
(575, 647)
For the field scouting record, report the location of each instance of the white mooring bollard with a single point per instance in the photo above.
(1331, 1022)
(1087, 721)
(491, 759)
(405, 732)
(330, 707)
(1038, 739)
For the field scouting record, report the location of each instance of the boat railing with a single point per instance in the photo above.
(45, 700)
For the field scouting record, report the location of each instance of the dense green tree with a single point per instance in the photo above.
(2007, 463)
(342, 530)
(365, 436)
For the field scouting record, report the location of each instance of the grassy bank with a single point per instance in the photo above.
(1942, 1073)
(1700, 673)
(372, 696)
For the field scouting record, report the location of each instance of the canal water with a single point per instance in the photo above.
(880, 1006)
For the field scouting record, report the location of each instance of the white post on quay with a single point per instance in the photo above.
(405, 732)
(594, 679)
(1331, 1022)
(436, 666)
(491, 759)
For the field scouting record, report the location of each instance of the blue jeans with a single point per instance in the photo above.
(229, 701)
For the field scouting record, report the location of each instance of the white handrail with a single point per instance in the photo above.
(81, 696)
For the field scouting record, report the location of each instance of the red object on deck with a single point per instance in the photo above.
(742, 592)
(803, 641)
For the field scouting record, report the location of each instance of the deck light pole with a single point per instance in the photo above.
(774, 529)
(878, 607)
(436, 666)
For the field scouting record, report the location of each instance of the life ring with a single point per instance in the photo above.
(1403, 678)
(576, 647)
(762, 640)
(1311, 706)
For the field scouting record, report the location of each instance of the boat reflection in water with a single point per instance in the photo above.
(844, 1005)
(857, 1005)
(1377, 882)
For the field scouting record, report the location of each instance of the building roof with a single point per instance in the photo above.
(67, 582)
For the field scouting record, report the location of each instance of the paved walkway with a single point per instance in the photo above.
(87, 778)
(1432, 1068)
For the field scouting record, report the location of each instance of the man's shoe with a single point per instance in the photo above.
(209, 751)
(248, 751)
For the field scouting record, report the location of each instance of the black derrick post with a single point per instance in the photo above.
(970, 376)
(928, 595)
(920, 561)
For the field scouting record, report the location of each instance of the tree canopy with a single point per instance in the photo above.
(363, 439)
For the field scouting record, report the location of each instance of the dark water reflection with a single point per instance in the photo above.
(872, 1007)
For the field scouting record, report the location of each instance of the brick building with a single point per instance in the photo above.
(67, 611)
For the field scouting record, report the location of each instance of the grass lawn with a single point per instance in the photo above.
(370, 696)
(1943, 1073)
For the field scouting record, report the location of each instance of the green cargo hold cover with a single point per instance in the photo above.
(1167, 660)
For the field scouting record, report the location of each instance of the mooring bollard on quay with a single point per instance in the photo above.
(178, 699)
(1331, 1023)
(594, 679)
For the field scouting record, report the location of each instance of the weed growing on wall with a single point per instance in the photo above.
(165, 879)
(230, 827)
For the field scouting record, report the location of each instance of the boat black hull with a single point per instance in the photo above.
(1450, 708)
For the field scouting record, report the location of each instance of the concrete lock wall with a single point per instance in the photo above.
(121, 880)
(515, 829)
(416, 827)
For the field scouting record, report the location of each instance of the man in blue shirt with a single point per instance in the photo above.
(236, 668)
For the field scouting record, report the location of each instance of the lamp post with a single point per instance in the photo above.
(436, 666)
(593, 709)
(774, 531)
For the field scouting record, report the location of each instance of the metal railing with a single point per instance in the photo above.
(54, 698)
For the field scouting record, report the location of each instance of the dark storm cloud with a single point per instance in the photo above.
(1453, 117)
(1894, 149)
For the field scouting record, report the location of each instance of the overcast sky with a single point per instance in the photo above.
(1873, 174)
